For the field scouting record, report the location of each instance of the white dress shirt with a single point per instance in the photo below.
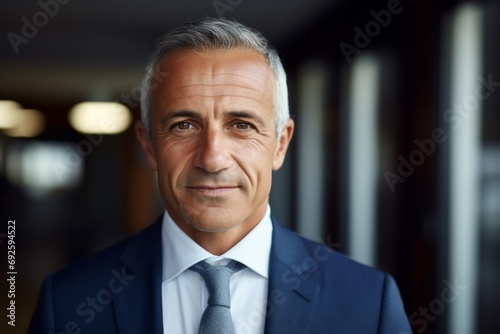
(184, 294)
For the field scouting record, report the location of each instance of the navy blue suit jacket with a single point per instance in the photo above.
(312, 289)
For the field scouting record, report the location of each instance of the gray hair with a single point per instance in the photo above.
(217, 34)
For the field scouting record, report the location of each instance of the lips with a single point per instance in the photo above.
(212, 187)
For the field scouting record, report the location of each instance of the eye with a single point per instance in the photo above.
(243, 126)
(182, 126)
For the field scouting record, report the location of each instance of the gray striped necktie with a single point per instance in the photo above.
(217, 318)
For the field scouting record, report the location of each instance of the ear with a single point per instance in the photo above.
(282, 147)
(146, 145)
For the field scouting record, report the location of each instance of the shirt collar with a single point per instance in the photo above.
(181, 252)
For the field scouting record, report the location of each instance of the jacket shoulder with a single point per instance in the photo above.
(96, 271)
(351, 297)
(82, 292)
(322, 258)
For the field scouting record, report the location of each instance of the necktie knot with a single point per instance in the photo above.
(217, 317)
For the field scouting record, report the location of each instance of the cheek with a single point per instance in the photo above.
(255, 159)
(173, 159)
(253, 149)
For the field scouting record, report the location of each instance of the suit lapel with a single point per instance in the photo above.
(293, 293)
(138, 306)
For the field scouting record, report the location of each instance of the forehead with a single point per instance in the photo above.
(223, 70)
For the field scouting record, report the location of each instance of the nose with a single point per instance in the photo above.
(212, 154)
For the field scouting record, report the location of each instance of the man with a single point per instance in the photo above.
(214, 128)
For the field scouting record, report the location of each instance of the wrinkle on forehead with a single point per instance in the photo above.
(214, 79)
(252, 67)
(237, 72)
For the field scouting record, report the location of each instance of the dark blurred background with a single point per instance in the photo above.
(396, 158)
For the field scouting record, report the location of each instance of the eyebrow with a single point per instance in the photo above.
(165, 120)
(244, 114)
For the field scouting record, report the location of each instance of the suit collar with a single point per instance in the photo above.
(294, 290)
(138, 306)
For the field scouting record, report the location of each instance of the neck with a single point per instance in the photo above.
(218, 243)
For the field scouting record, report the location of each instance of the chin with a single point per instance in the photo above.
(209, 219)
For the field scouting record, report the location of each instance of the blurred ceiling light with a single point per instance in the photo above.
(17, 122)
(41, 167)
(9, 114)
(100, 117)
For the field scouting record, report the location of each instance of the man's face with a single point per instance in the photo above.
(213, 140)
